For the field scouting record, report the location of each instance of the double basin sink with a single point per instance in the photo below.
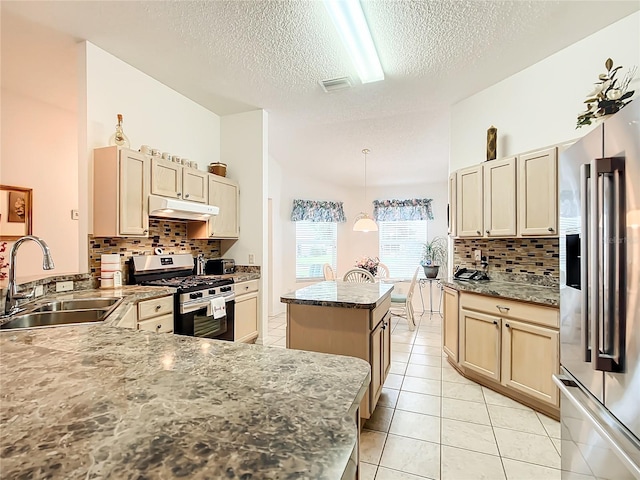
(64, 312)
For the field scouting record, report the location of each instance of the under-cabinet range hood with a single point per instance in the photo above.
(180, 209)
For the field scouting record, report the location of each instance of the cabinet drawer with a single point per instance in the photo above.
(163, 324)
(153, 308)
(245, 287)
(527, 312)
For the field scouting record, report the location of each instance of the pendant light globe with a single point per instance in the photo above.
(364, 223)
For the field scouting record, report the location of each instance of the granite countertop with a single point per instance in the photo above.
(340, 294)
(543, 295)
(242, 276)
(95, 401)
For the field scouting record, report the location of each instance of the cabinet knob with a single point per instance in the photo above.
(158, 307)
(159, 327)
(488, 232)
(550, 229)
(478, 232)
(145, 231)
(186, 196)
(179, 194)
(495, 322)
(507, 325)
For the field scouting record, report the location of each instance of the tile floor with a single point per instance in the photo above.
(431, 422)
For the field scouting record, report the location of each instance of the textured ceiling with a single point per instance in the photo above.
(234, 56)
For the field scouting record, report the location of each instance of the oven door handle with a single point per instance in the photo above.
(192, 306)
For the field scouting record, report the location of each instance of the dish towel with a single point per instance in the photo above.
(217, 307)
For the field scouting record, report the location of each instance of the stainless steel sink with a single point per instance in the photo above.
(78, 304)
(64, 312)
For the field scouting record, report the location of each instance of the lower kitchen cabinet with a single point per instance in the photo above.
(480, 341)
(380, 356)
(155, 315)
(246, 312)
(450, 323)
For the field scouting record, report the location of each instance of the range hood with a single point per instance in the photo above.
(180, 209)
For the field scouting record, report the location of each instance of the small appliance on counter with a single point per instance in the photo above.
(220, 266)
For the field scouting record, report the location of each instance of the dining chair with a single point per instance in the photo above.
(403, 303)
(383, 271)
(328, 272)
(358, 275)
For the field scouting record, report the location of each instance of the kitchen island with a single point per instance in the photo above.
(344, 318)
(96, 401)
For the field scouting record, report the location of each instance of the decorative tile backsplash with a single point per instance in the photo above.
(168, 235)
(528, 256)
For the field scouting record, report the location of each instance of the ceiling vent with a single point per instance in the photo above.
(334, 84)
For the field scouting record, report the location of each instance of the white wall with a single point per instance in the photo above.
(244, 150)
(538, 106)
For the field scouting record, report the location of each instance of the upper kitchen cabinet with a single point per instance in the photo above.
(500, 198)
(223, 193)
(538, 193)
(469, 198)
(451, 208)
(120, 193)
(170, 179)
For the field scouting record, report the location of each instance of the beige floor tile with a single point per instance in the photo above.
(519, 470)
(412, 456)
(460, 391)
(494, 398)
(516, 419)
(281, 327)
(398, 368)
(394, 381)
(431, 360)
(430, 328)
(469, 436)
(280, 343)
(388, 474)
(424, 371)
(388, 398)
(450, 374)
(399, 356)
(428, 339)
(558, 444)
(527, 447)
(401, 347)
(421, 385)
(464, 411)
(459, 464)
(371, 444)
(427, 350)
(416, 425)
(418, 403)
(551, 426)
(380, 419)
(273, 339)
(403, 337)
(367, 471)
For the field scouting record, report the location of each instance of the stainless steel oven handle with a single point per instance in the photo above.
(193, 305)
(585, 174)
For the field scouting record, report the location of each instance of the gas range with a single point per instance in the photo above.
(193, 287)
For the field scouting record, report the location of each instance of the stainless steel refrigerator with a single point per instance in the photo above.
(599, 205)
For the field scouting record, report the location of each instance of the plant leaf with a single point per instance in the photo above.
(608, 64)
(625, 96)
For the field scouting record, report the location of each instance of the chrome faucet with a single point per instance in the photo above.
(11, 302)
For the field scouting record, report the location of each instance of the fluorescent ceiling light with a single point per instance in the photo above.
(349, 19)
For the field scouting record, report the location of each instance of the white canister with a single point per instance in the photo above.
(106, 283)
(117, 279)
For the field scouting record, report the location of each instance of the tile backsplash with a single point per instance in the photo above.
(526, 256)
(168, 235)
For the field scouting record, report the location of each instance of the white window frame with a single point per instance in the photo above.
(304, 230)
(404, 255)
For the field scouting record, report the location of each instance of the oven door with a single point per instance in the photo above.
(193, 320)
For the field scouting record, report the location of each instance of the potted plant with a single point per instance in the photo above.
(434, 255)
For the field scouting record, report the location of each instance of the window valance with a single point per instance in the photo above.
(317, 211)
(399, 210)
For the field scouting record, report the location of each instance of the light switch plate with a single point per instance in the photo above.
(252, 259)
(477, 255)
(75, 215)
(64, 286)
(39, 291)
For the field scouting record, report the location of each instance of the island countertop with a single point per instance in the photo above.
(97, 401)
(340, 294)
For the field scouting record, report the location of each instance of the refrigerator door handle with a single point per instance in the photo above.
(607, 269)
(585, 176)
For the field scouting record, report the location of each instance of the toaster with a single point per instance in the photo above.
(220, 266)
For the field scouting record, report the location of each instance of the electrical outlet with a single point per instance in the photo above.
(64, 286)
(252, 259)
(477, 255)
(75, 215)
(39, 291)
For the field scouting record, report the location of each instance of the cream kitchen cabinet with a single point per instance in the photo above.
(450, 323)
(245, 323)
(452, 216)
(155, 315)
(480, 343)
(469, 202)
(538, 193)
(500, 198)
(169, 179)
(224, 194)
(120, 193)
(380, 357)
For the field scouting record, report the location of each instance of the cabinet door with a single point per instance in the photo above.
(377, 374)
(166, 178)
(386, 347)
(500, 198)
(134, 194)
(223, 194)
(470, 201)
(450, 324)
(480, 343)
(246, 318)
(195, 185)
(529, 358)
(452, 205)
(538, 193)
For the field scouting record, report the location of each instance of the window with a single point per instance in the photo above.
(316, 244)
(401, 245)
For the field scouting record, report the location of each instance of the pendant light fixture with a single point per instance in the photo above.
(364, 223)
